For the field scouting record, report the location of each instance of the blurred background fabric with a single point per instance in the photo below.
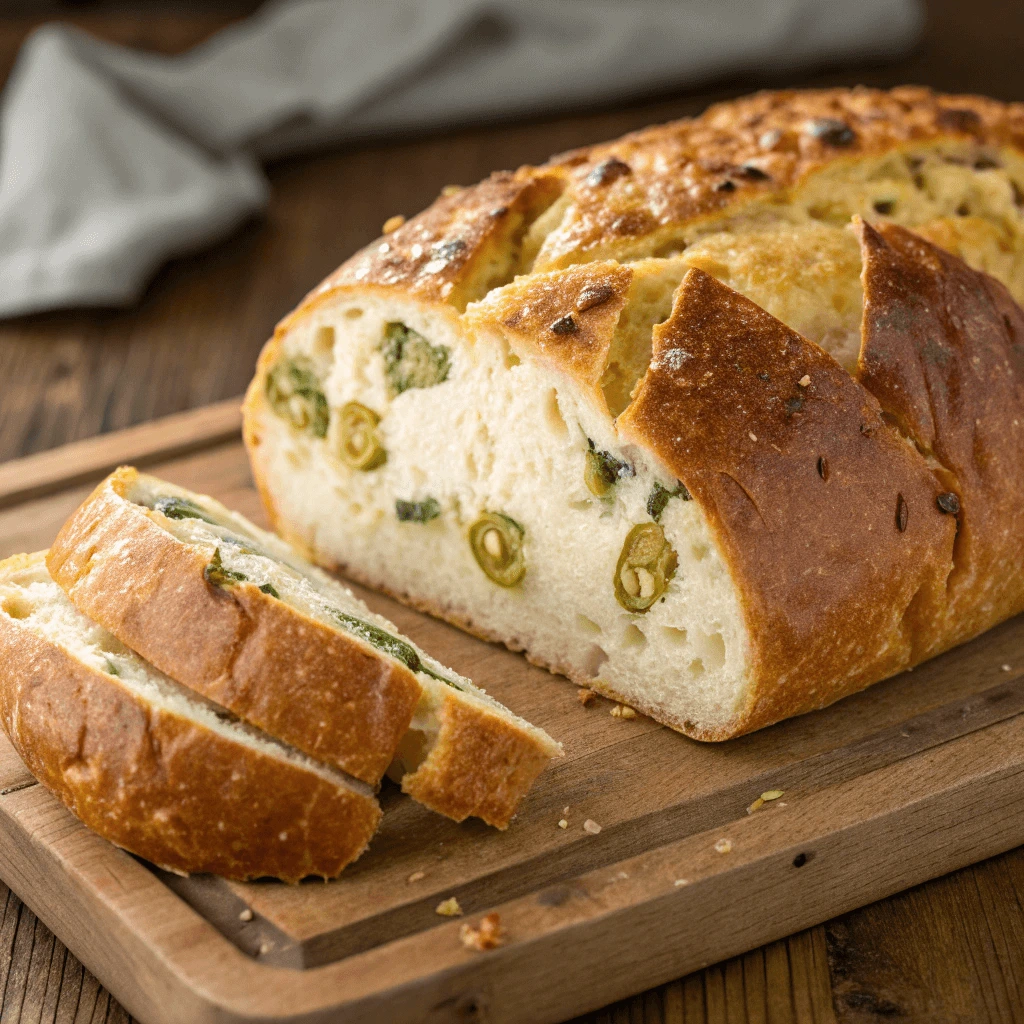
(113, 160)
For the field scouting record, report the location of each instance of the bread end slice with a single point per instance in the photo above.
(150, 766)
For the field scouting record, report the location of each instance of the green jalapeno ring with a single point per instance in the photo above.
(295, 394)
(359, 443)
(645, 567)
(497, 544)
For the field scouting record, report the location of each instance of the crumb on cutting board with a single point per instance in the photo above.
(449, 908)
(488, 935)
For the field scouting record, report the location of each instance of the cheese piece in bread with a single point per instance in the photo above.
(693, 450)
(151, 766)
(230, 611)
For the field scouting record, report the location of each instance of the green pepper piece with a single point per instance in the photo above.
(296, 394)
(497, 544)
(410, 361)
(360, 444)
(645, 567)
(181, 508)
(417, 511)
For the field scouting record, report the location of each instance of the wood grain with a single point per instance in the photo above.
(950, 950)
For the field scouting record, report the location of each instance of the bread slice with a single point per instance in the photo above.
(667, 453)
(151, 766)
(230, 611)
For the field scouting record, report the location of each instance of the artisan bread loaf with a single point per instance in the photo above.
(151, 766)
(230, 611)
(723, 419)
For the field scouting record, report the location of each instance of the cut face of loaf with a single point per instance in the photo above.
(232, 612)
(151, 766)
(722, 449)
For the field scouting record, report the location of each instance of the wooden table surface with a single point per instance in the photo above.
(948, 951)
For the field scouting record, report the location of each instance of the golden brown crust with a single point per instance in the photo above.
(167, 788)
(825, 516)
(565, 319)
(742, 150)
(624, 198)
(321, 690)
(943, 351)
(453, 252)
(480, 765)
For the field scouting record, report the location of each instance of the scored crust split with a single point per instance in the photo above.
(231, 612)
(736, 403)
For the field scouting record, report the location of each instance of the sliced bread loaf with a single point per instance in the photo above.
(153, 767)
(665, 414)
(232, 612)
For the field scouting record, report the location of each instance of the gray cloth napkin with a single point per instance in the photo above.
(113, 160)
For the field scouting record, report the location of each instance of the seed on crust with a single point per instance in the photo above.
(392, 224)
(902, 513)
(753, 173)
(593, 295)
(565, 325)
(831, 131)
(607, 171)
(948, 503)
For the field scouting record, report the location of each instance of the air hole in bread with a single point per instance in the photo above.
(16, 608)
(696, 668)
(674, 635)
(323, 341)
(711, 648)
(595, 657)
(633, 636)
(553, 415)
(699, 552)
(353, 314)
(588, 625)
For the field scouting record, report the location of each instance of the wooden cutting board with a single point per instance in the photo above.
(916, 777)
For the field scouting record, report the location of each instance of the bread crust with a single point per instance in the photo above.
(626, 197)
(527, 311)
(943, 351)
(165, 787)
(744, 150)
(323, 691)
(480, 765)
